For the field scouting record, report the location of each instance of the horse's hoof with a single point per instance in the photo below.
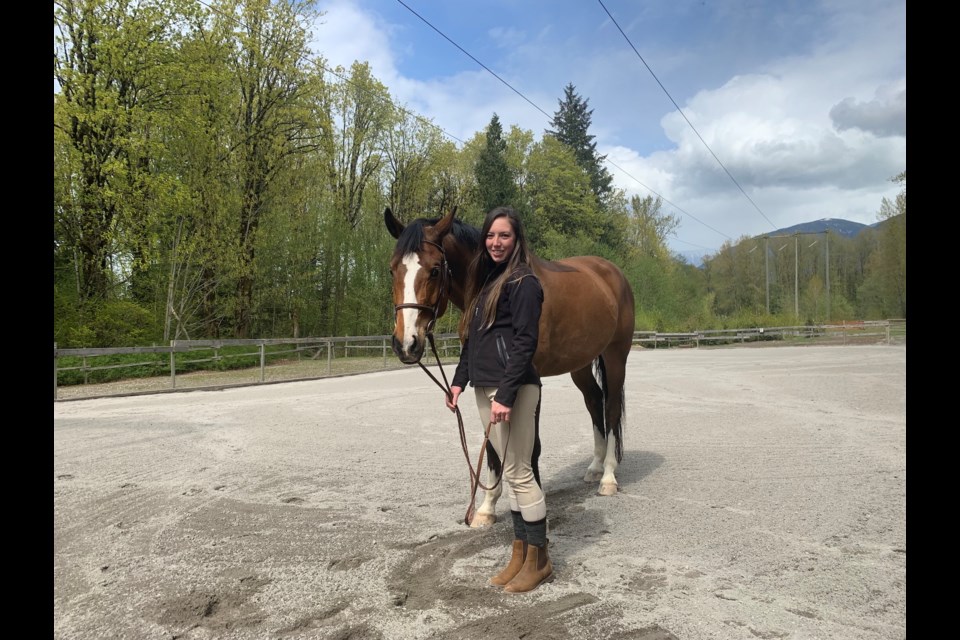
(592, 476)
(483, 520)
(608, 489)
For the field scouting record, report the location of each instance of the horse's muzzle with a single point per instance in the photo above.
(411, 356)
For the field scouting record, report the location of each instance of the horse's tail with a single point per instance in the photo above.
(494, 465)
(600, 373)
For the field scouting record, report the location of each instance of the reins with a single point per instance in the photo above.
(445, 387)
(474, 474)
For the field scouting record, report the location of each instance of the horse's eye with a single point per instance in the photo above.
(434, 272)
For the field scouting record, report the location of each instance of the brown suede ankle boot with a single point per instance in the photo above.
(536, 569)
(513, 567)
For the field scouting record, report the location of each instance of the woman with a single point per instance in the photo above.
(499, 329)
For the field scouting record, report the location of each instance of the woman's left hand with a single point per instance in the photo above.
(452, 398)
(499, 412)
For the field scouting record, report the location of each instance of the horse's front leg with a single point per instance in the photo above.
(486, 515)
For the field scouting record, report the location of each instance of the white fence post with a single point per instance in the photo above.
(263, 359)
(173, 365)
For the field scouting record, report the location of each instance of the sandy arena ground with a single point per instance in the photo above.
(762, 495)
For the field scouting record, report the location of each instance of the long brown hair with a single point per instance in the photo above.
(483, 266)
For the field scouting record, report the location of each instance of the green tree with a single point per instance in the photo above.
(884, 290)
(734, 274)
(561, 202)
(848, 267)
(412, 150)
(197, 248)
(353, 152)
(495, 180)
(649, 226)
(286, 267)
(361, 114)
(274, 120)
(110, 58)
(571, 125)
(518, 145)
(453, 180)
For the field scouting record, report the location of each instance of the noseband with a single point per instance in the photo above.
(444, 282)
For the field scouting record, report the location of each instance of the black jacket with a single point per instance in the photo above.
(502, 355)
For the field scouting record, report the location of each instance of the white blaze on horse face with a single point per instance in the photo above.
(412, 263)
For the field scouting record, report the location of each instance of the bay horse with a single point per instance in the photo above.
(586, 328)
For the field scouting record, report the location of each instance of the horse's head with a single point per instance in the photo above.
(421, 281)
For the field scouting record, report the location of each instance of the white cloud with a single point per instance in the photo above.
(346, 34)
(807, 137)
(813, 134)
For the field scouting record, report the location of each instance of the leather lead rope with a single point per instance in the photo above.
(474, 474)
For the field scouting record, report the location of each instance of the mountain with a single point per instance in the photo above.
(845, 228)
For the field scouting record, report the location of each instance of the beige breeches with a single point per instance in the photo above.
(517, 436)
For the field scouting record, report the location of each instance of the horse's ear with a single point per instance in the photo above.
(394, 226)
(444, 225)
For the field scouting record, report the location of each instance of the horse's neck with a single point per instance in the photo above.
(460, 260)
(541, 266)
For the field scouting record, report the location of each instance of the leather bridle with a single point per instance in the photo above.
(434, 310)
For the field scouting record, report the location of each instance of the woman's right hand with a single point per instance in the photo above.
(452, 398)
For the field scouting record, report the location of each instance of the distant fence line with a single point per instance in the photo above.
(313, 349)
(331, 349)
(888, 330)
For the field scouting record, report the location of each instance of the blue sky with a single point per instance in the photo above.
(803, 102)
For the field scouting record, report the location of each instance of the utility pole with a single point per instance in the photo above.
(766, 267)
(826, 240)
(814, 242)
(796, 275)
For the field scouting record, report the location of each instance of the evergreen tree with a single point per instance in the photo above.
(571, 123)
(495, 182)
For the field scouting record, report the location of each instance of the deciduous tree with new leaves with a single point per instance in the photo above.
(884, 290)
(111, 63)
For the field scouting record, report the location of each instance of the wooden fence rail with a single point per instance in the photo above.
(448, 345)
(888, 331)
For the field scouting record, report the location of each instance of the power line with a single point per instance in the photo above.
(685, 116)
(474, 59)
(445, 132)
(667, 201)
(535, 106)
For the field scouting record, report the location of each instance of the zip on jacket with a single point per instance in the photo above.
(501, 355)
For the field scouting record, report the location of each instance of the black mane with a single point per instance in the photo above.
(411, 239)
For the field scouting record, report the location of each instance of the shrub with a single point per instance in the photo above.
(117, 323)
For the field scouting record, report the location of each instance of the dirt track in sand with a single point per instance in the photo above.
(763, 495)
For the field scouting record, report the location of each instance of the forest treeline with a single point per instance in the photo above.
(215, 178)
